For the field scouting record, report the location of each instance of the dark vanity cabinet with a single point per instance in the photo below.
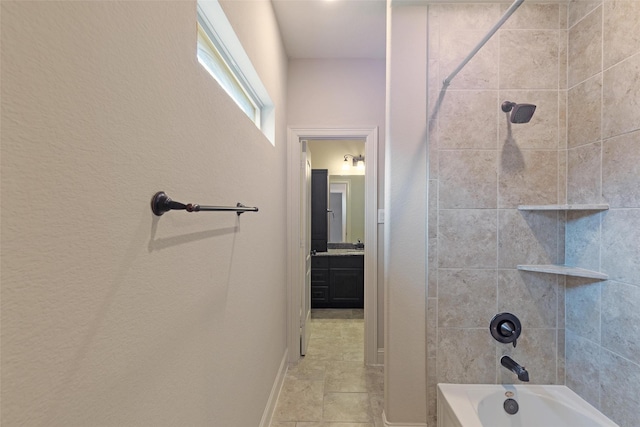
(337, 281)
(319, 206)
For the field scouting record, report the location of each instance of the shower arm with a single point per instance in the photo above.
(482, 42)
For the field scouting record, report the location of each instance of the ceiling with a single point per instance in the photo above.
(332, 28)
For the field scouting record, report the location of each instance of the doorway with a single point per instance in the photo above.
(297, 244)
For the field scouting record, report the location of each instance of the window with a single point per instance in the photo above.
(222, 55)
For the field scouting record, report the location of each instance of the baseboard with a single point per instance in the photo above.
(388, 424)
(380, 360)
(275, 392)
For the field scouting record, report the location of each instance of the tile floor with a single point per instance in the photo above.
(331, 386)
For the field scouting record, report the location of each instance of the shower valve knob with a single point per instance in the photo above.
(505, 328)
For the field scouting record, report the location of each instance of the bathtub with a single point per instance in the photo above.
(480, 405)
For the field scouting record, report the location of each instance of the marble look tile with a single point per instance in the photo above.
(621, 319)
(432, 327)
(563, 159)
(536, 351)
(466, 356)
(467, 238)
(432, 392)
(538, 68)
(533, 297)
(299, 401)
(583, 373)
(620, 248)
(374, 376)
(466, 298)
(323, 424)
(345, 377)
(564, 16)
(432, 271)
(527, 238)
(376, 400)
(621, 98)
(583, 305)
(621, 171)
(466, 16)
(347, 407)
(619, 389)
(582, 244)
(561, 302)
(585, 107)
(307, 369)
(287, 424)
(542, 131)
(481, 72)
(584, 171)
(533, 17)
(433, 208)
(563, 59)
(621, 37)
(578, 9)
(563, 119)
(561, 359)
(527, 177)
(585, 48)
(468, 179)
(465, 120)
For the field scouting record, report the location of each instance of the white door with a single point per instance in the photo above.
(305, 232)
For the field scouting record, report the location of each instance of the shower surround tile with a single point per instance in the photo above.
(481, 72)
(619, 389)
(527, 177)
(529, 59)
(533, 17)
(582, 240)
(585, 110)
(621, 171)
(527, 238)
(621, 98)
(621, 37)
(476, 187)
(533, 297)
(621, 319)
(466, 298)
(578, 9)
(584, 174)
(583, 308)
(466, 356)
(467, 238)
(585, 47)
(463, 119)
(620, 248)
(583, 372)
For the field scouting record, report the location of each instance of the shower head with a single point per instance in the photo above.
(520, 113)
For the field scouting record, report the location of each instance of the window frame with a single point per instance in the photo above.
(222, 38)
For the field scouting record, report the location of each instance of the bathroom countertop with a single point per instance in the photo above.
(341, 252)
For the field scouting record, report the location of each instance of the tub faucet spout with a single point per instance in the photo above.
(514, 367)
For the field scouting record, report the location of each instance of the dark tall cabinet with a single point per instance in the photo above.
(319, 206)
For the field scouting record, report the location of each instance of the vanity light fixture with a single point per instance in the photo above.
(356, 161)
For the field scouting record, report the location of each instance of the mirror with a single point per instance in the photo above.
(346, 187)
(346, 206)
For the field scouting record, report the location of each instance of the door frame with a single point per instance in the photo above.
(295, 240)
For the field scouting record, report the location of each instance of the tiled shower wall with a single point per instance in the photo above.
(603, 147)
(481, 169)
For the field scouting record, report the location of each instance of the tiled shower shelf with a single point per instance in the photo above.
(564, 270)
(585, 207)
